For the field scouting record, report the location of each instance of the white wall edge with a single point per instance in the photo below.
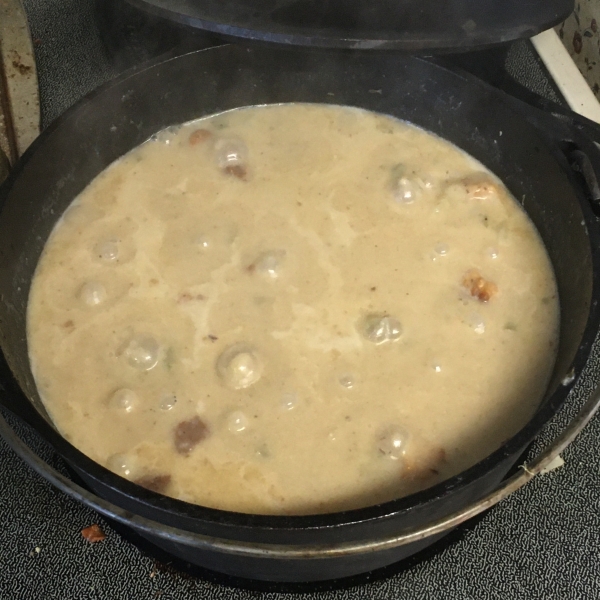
(564, 71)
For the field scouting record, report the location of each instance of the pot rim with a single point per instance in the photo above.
(177, 508)
(310, 551)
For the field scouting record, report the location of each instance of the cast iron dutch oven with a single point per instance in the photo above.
(545, 160)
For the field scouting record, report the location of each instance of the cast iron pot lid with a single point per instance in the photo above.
(411, 25)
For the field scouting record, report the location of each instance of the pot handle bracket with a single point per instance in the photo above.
(577, 137)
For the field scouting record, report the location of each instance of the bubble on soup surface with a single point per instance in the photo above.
(142, 352)
(476, 322)
(427, 182)
(230, 152)
(237, 422)
(121, 464)
(440, 251)
(167, 401)
(391, 442)
(436, 366)
(492, 252)
(107, 250)
(92, 293)
(203, 242)
(406, 190)
(380, 329)
(166, 135)
(289, 401)
(347, 381)
(239, 366)
(124, 400)
(269, 263)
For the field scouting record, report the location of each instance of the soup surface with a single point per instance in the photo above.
(292, 309)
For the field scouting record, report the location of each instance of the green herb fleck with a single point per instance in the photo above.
(169, 358)
(510, 326)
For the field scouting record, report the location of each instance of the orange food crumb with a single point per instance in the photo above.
(93, 534)
(479, 287)
(199, 136)
(480, 187)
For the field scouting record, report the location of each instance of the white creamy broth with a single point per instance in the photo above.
(292, 309)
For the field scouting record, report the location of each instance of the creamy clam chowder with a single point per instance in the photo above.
(292, 309)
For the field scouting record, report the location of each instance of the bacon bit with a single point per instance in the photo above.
(187, 297)
(480, 187)
(429, 467)
(155, 483)
(212, 338)
(478, 287)
(188, 434)
(238, 171)
(153, 281)
(93, 534)
(441, 455)
(199, 136)
(251, 268)
(68, 324)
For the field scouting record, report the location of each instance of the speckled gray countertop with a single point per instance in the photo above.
(543, 542)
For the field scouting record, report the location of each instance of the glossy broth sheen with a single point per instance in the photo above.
(292, 309)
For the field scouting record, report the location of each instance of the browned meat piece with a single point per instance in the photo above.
(479, 287)
(93, 534)
(238, 171)
(480, 187)
(155, 483)
(199, 136)
(188, 434)
(185, 297)
(441, 455)
(426, 467)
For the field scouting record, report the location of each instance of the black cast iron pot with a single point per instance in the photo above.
(545, 160)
